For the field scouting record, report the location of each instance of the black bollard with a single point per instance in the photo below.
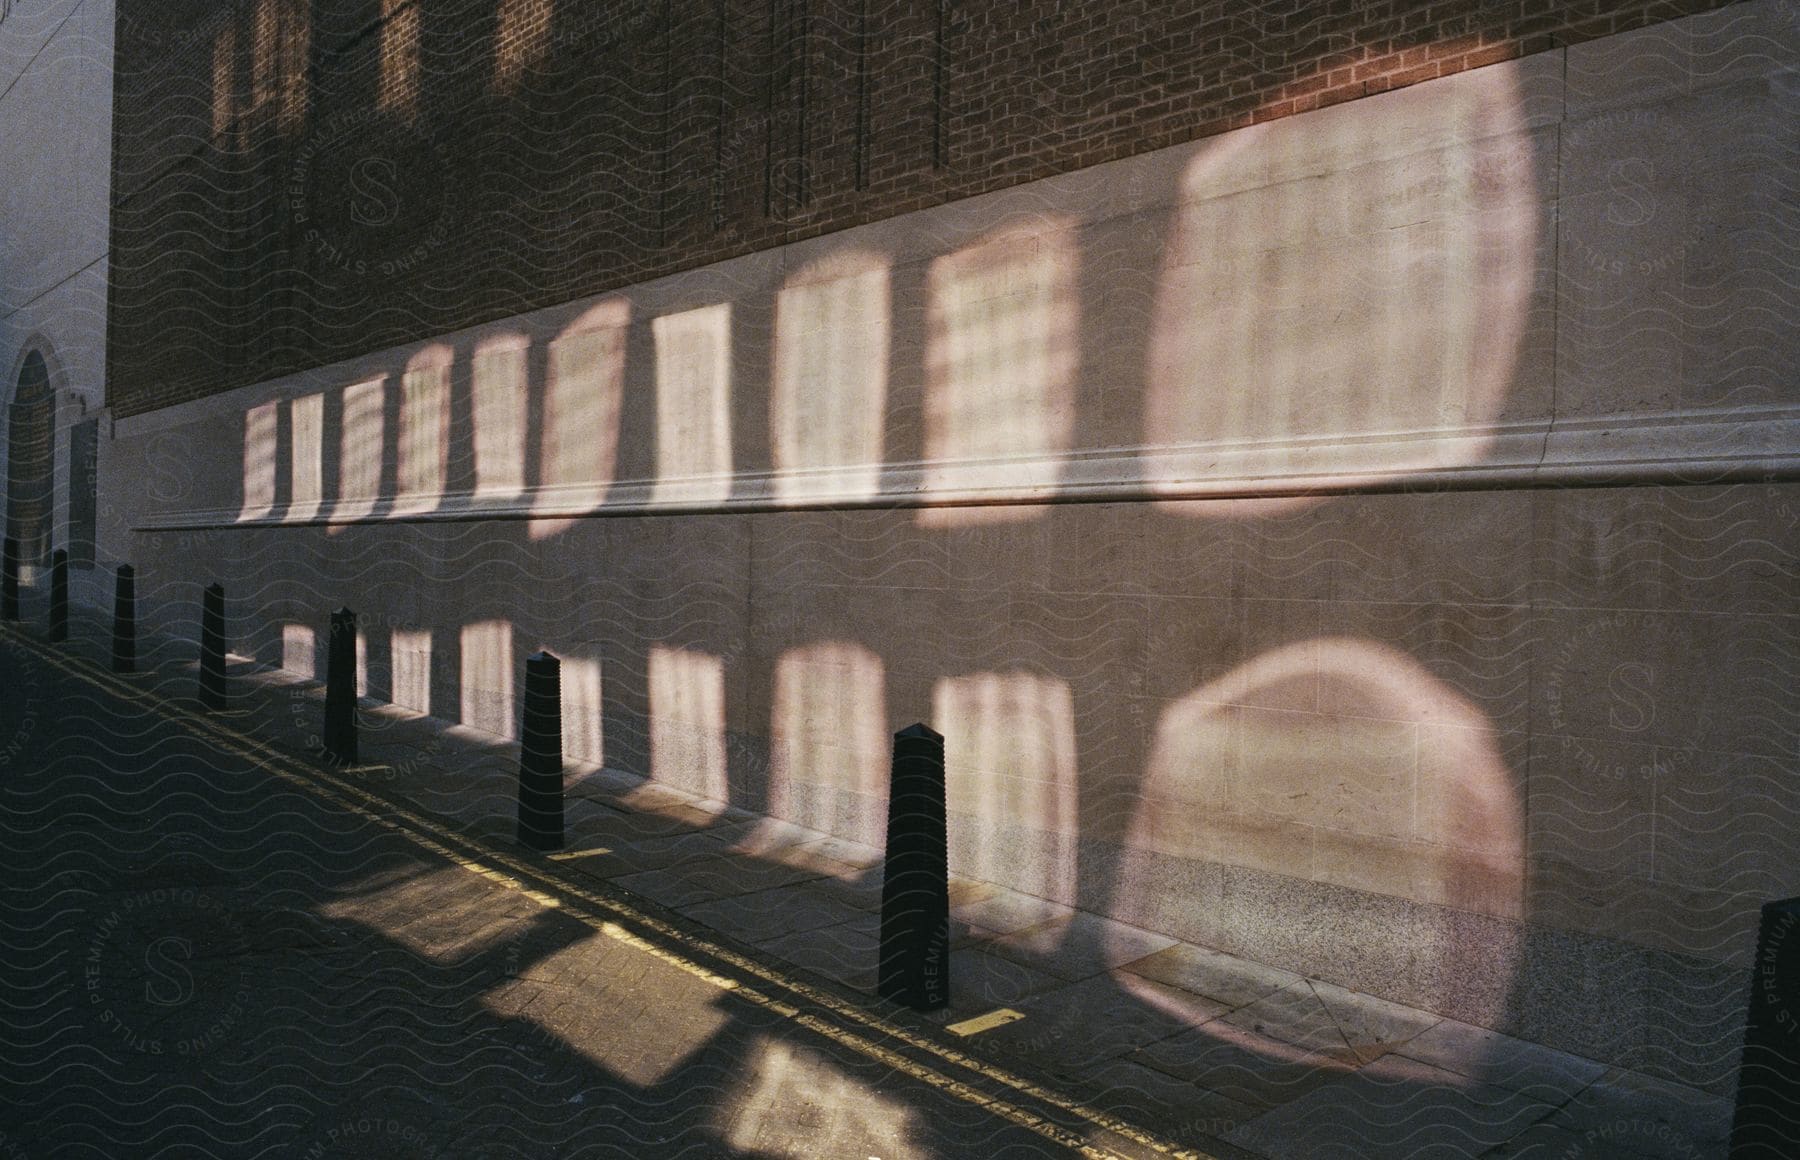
(124, 644)
(915, 887)
(1767, 1123)
(59, 595)
(340, 690)
(212, 646)
(9, 580)
(541, 755)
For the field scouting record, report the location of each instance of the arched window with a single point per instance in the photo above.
(29, 442)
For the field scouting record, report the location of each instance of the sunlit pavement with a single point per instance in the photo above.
(219, 947)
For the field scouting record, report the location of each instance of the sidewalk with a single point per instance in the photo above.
(1218, 1053)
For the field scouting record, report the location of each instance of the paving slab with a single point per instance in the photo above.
(852, 854)
(1149, 1096)
(1394, 1107)
(1214, 974)
(1248, 1068)
(773, 913)
(1626, 1105)
(846, 952)
(1371, 1026)
(1004, 911)
(1621, 1140)
(1084, 1024)
(1296, 1016)
(981, 981)
(1075, 946)
(608, 851)
(1499, 1059)
(709, 877)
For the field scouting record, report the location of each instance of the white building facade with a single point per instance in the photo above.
(55, 180)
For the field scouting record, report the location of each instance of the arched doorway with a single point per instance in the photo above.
(30, 430)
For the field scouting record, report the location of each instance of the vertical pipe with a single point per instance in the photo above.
(862, 95)
(940, 84)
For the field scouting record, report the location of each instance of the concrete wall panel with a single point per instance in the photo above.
(1347, 661)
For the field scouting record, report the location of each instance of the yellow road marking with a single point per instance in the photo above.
(590, 852)
(988, 1022)
(264, 756)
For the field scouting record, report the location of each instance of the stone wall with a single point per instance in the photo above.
(1362, 541)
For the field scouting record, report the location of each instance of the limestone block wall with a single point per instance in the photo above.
(1363, 541)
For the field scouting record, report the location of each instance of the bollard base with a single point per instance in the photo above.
(541, 839)
(915, 966)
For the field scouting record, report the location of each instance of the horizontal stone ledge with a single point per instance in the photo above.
(1760, 444)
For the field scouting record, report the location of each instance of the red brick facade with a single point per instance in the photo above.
(299, 181)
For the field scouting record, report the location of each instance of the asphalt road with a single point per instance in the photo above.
(210, 952)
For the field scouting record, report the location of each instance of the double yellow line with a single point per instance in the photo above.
(614, 917)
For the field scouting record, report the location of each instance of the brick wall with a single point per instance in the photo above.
(298, 181)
